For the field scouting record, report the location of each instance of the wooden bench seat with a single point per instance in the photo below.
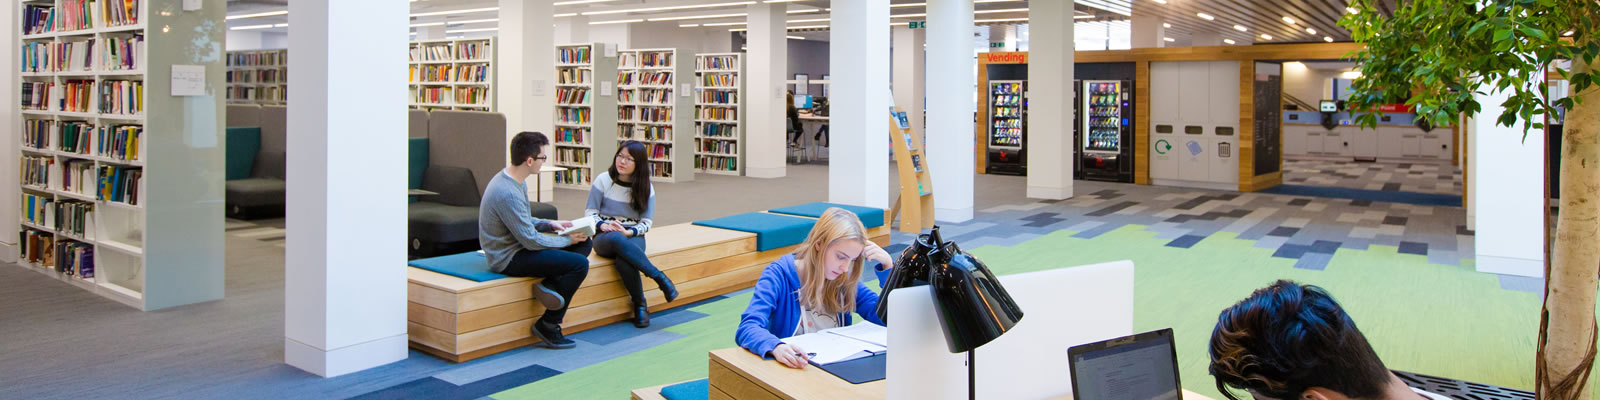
(459, 319)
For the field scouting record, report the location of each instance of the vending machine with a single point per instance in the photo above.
(1104, 130)
(1007, 126)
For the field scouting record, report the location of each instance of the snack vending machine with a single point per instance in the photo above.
(1105, 130)
(1008, 124)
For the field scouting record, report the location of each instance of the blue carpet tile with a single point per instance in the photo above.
(434, 388)
(1367, 196)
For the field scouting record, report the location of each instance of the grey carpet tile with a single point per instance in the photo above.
(1403, 177)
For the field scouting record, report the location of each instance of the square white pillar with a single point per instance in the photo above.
(858, 103)
(767, 64)
(573, 29)
(1148, 32)
(526, 67)
(344, 280)
(1508, 206)
(910, 74)
(10, 117)
(950, 108)
(1050, 101)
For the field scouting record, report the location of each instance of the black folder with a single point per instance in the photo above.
(860, 370)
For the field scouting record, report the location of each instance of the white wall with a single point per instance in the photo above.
(274, 40)
(1507, 205)
(612, 33)
(244, 40)
(9, 117)
(1310, 85)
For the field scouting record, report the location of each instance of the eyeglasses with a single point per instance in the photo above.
(541, 158)
(625, 157)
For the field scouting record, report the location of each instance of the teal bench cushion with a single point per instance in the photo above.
(691, 390)
(772, 230)
(417, 164)
(242, 146)
(471, 266)
(870, 217)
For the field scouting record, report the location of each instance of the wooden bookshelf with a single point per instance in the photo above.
(719, 114)
(914, 206)
(457, 74)
(92, 163)
(584, 138)
(655, 108)
(258, 77)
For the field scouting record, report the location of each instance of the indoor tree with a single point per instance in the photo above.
(1438, 55)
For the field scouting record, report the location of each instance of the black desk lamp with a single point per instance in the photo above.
(973, 308)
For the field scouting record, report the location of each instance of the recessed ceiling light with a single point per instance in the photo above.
(796, 37)
(257, 15)
(992, 1)
(780, 1)
(571, 2)
(566, 15)
(981, 21)
(810, 20)
(1160, 1)
(472, 30)
(1266, 36)
(1166, 25)
(696, 17)
(1288, 20)
(723, 24)
(1168, 39)
(426, 24)
(909, 15)
(688, 25)
(1311, 31)
(667, 8)
(1082, 17)
(1241, 28)
(808, 10)
(809, 27)
(472, 21)
(1228, 41)
(907, 5)
(248, 27)
(1352, 10)
(620, 21)
(1000, 11)
(1205, 16)
(466, 11)
(1328, 39)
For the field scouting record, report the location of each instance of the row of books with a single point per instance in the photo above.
(36, 95)
(269, 76)
(243, 92)
(647, 96)
(574, 176)
(649, 59)
(431, 95)
(573, 55)
(719, 97)
(660, 169)
(717, 62)
(472, 50)
(472, 73)
(74, 218)
(120, 142)
(120, 184)
(657, 132)
(644, 78)
(569, 155)
(714, 163)
(431, 52)
(122, 97)
(719, 114)
(573, 95)
(77, 176)
(36, 57)
(76, 95)
(36, 170)
(430, 73)
(38, 210)
(74, 136)
(574, 76)
(719, 147)
(120, 12)
(659, 151)
(72, 56)
(122, 53)
(109, 54)
(37, 19)
(711, 129)
(645, 114)
(76, 14)
(477, 95)
(76, 259)
(258, 59)
(720, 80)
(38, 247)
(568, 135)
(576, 116)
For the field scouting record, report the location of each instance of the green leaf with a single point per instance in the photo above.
(1500, 35)
(1535, 32)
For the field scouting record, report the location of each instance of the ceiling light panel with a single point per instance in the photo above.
(1241, 28)
(620, 21)
(1205, 16)
(1228, 41)
(668, 8)
(453, 12)
(575, 2)
(698, 17)
(1288, 20)
(257, 15)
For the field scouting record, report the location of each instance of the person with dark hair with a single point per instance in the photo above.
(517, 244)
(623, 202)
(1293, 342)
(794, 119)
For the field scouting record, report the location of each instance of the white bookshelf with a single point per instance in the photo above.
(719, 114)
(656, 107)
(583, 140)
(146, 257)
(456, 74)
(258, 77)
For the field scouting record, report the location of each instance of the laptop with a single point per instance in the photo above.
(1139, 367)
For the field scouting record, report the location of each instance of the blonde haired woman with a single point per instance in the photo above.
(813, 289)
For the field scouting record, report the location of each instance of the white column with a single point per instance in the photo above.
(344, 292)
(951, 107)
(526, 67)
(858, 56)
(11, 120)
(1148, 32)
(1204, 38)
(1507, 206)
(431, 32)
(910, 73)
(1050, 110)
(1010, 38)
(766, 63)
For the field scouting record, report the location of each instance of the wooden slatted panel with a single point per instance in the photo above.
(1141, 123)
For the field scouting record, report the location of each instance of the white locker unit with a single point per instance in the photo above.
(1194, 122)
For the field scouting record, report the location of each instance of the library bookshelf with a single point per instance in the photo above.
(121, 182)
(453, 74)
(258, 77)
(654, 107)
(718, 116)
(585, 112)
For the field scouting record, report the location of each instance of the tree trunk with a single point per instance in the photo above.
(1568, 343)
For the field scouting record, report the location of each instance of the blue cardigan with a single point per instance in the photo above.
(775, 307)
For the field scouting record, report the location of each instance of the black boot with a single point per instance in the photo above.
(641, 317)
(671, 292)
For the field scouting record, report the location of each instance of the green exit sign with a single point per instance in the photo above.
(997, 45)
(919, 24)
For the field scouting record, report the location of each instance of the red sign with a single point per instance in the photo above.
(1015, 57)
(1394, 108)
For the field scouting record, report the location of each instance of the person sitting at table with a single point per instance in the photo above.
(795, 129)
(623, 202)
(1293, 342)
(813, 289)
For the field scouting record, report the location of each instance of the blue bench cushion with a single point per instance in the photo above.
(870, 217)
(465, 266)
(772, 230)
(691, 390)
(243, 144)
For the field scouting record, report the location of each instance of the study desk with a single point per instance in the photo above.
(737, 374)
(810, 124)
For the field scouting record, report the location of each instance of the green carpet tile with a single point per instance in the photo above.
(1439, 320)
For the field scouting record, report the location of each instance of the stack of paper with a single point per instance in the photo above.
(843, 343)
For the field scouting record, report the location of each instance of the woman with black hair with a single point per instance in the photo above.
(622, 201)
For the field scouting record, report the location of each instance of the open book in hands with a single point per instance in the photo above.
(845, 343)
(585, 225)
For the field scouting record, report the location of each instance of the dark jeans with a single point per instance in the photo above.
(563, 270)
(627, 254)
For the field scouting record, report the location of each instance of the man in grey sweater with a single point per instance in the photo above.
(517, 244)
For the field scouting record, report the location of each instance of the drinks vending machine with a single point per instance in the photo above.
(1104, 130)
(1007, 125)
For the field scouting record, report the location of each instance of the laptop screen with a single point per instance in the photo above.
(1139, 367)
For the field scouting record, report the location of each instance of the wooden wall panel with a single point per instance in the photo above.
(1247, 126)
(1141, 124)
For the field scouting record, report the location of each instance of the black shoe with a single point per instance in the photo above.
(667, 289)
(641, 317)
(550, 336)
(548, 297)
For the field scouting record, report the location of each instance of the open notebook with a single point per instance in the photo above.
(844, 343)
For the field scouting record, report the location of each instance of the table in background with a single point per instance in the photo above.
(809, 124)
(543, 188)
